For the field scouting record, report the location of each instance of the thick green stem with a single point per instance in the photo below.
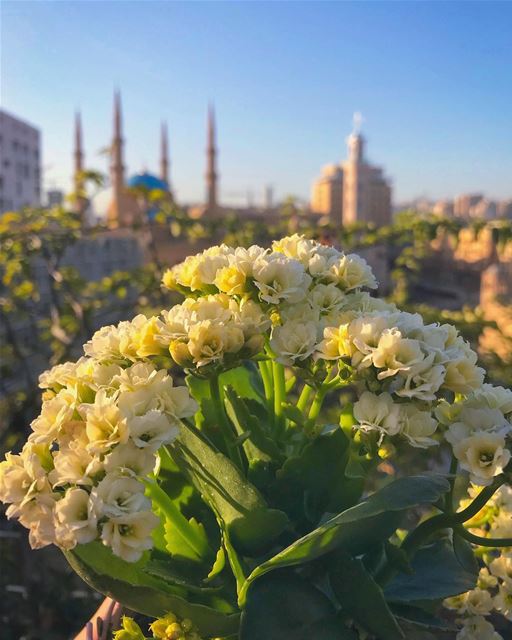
(228, 435)
(279, 392)
(316, 405)
(482, 542)
(449, 520)
(480, 501)
(268, 385)
(304, 397)
(448, 502)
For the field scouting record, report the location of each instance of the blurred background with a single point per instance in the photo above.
(133, 134)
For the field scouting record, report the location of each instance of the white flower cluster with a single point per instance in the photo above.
(479, 428)
(212, 330)
(305, 282)
(78, 477)
(320, 316)
(493, 593)
(411, 364)
(284, 274)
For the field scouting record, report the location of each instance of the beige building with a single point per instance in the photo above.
(327, 194)
(354, 191)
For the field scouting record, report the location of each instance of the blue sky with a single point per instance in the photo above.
(432, 79)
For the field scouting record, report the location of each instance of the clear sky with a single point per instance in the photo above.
(432, 79)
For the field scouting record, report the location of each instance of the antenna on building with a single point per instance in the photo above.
(357, 121)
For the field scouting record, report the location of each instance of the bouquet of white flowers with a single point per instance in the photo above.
(227, 504)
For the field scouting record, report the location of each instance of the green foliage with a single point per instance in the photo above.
(436, 574)
(284, 605)
(355, 588)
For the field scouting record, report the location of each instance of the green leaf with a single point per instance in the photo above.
(464, 554)
(245, 380)
(419, 617)
(314, 480)
(166, 571)
(252, 526)
(261, 452)
(185, 538)
(362, 598)
(437, 574)
(284, 606)
(127, 583)
(218, 565)
(359, 528)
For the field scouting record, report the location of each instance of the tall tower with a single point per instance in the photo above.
(116, 166)
(164, 155)
(78, 161)
(211, 174)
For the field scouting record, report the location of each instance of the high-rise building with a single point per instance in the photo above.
(366, 192)
(20, 163)
(327, 194)
(354, 191)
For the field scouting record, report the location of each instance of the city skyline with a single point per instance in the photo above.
(273, 128)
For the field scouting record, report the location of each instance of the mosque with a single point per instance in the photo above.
(124, 203)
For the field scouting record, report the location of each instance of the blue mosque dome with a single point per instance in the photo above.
(147, 181)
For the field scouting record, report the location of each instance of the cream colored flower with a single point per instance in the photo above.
(423, 382)
(294, 341)
(152, 430)
(503, 600)
(502, 568)
(280, 279)
(209, 341)
(463, 375)
(377, 413)
(351, 272)
(471, 420)
(417, 426)
(478, 628)
(231, 280)
(297, 247)
(448, 413)
(104, 425)
(130, 535)
(483, 454)
(128, 459)
(492, 397)
(326, 298)
(486, 580)
(54, 414)
(249, 316)
(76, 514)
(502, 525)
(118, 495)
(363, 303)
(302, 312)
(365, 333)
(38, 516)
(395, 354)
(337, 343)
(477, 602)
(146, 339)
(74, 466)
(58, 376)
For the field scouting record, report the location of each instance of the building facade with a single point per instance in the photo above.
(20, 163)
(327, 194)
(355, 191)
